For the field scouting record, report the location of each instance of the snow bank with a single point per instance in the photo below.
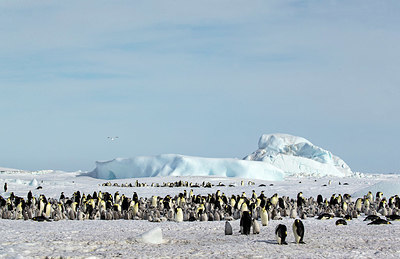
(179, 165)
(388, 188)
(298, 156)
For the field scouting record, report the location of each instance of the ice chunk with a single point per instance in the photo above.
(153, 236)
(34, 182)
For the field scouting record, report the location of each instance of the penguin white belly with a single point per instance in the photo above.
(264, 218)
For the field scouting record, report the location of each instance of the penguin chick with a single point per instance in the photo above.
(256, 227)
(281, 233)
(298, 231)
(228, 228)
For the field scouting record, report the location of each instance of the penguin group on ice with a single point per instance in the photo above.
(187, 206)
(176, 184)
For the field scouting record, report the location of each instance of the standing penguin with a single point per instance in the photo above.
(5, 187)
(298, 231)
(179, 214)
(256, 227)
(245, 223)
(228, 228)
(281, 233)
(264, 217)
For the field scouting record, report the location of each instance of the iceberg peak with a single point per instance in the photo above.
(298, 156)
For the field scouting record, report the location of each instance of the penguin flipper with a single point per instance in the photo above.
(300, 232)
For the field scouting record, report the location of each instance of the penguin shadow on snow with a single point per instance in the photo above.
(272, 241)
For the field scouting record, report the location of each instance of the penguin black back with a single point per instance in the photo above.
(281, 234)
(340, 222)
(320, 199)
(379, 221)
(298, 231)
(29, 195)
(245, 223)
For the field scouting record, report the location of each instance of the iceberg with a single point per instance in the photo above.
(278, 155)
(297, 156)
(180, 165)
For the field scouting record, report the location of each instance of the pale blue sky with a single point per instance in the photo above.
(201, 78)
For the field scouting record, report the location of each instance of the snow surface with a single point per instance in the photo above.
(121, 238)
(179, 165)
(298, 156)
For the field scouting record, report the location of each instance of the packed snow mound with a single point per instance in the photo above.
(298, 156)
(153, 236)
(388, 188)
(179, 165)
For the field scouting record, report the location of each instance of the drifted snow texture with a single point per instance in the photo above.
(278, 155)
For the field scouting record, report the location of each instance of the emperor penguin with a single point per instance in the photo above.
(274, 199)
(41, 206)
(359, 205)
(340, 222)
(228, 228)
(244, 207)
(370, 197)
(379, 221)
(344, 206)
(281, 234)
(154, 201)
(19, 214)
(367, 203)
(135, 208)
(5, 187)
(245, 223)
(264, 217)
(379, 195)
(48, 210)
(179, 214)
(298, 231)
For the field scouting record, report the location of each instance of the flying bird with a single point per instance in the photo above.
(112, 138)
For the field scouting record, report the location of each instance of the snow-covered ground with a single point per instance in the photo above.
(119, 238)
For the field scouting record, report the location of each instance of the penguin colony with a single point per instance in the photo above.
(212, 207)
(175, 184)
